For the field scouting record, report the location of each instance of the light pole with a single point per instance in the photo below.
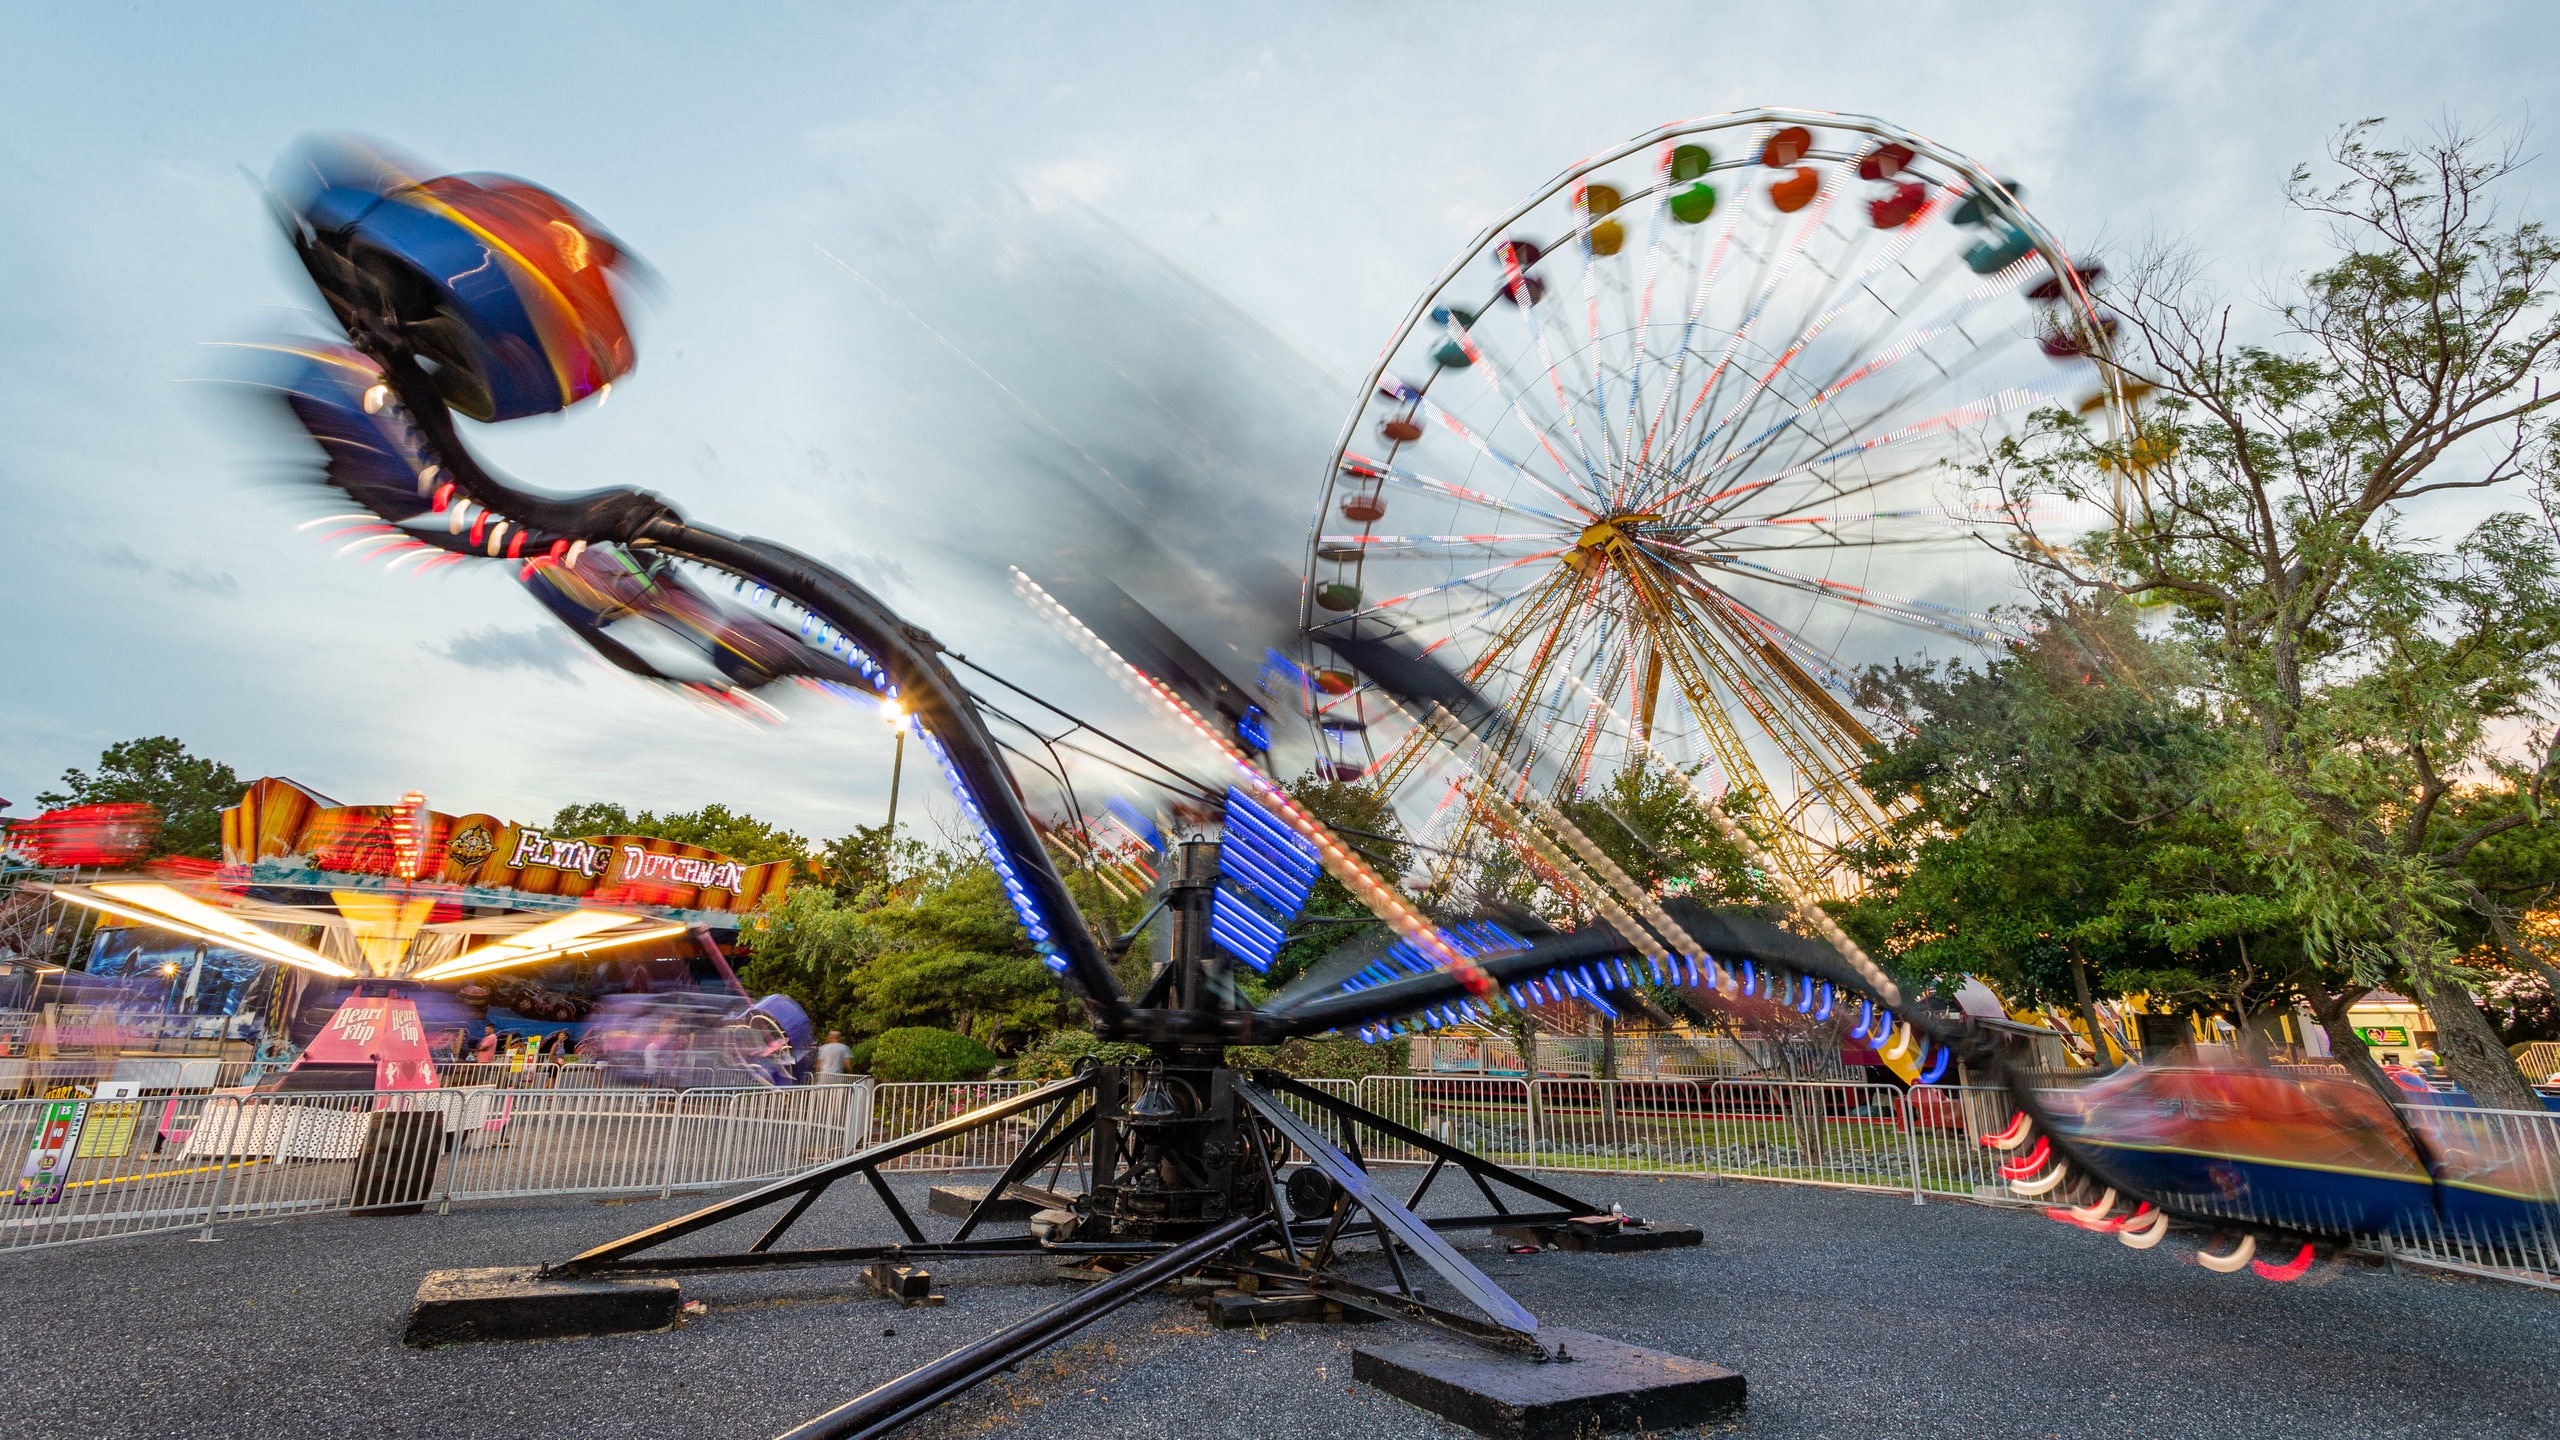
(897, 718)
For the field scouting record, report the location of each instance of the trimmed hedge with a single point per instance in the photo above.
(921, 1052)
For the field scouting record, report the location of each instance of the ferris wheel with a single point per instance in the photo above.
(1655, 459)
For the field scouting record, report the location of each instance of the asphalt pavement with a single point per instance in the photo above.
(1852, 1315)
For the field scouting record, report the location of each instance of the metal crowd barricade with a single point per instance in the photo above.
(1651, 1125)
(189, 1160)
(516, 1143)
(116, 1178)
(722, 1137)
(1493, 1116)
(901, 1108)
(1316, 1115)
(540, 1075)
(1946, 1124)
(2510, 1154)
(1843, 1135)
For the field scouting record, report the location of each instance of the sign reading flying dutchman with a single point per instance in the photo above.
(278, 819)
(644, 865)
(584, 856)
(615, 862)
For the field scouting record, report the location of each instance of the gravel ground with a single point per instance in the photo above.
(1852, 1315)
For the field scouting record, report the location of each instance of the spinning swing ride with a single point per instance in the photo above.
(1643, 462)
(490, 297)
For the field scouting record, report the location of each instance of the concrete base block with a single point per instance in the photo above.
(1229, 1310)
(1606, 1386)
(513, 1302)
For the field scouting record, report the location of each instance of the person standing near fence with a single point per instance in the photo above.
(835, 1060)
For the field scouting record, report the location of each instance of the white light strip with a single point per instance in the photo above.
(167, 909)
(577, 930)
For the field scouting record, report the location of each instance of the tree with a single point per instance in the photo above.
(1646, 821)
(939, 947)
(1366, 821)
(733, 833)
(2262, 504)
(190, 791)
(2057, 844)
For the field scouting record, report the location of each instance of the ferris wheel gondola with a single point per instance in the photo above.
(1643, 463)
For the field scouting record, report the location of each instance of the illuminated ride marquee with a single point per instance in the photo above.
(282, 830)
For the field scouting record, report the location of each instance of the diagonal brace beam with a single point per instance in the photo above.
(1475, 1165)
(1397, 1222)
(818, 1177)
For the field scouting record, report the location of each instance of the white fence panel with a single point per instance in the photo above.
(1488, 1117)
(1843, 1135)
(902, 1108)
(1617, 1126)
(515, 1143)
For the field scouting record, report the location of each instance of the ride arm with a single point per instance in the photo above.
(924, 687)
(1398, 998)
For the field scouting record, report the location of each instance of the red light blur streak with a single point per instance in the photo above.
(88, 835)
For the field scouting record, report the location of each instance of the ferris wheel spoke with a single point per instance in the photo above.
(1998, 403)
(1644, 318)
(1440, 416)
(1776, 274)
(1947, 619)
(1470, 579)
(1847, 294)
(1913, 342)
(1409, 544)
(1707, 271)
(1842, 542)
(1928, 516)
(1480, 360)
(1362, 465)
(1516, 283)
(1591, 347)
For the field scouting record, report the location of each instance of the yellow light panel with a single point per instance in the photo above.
(158, 905)
(578, 930)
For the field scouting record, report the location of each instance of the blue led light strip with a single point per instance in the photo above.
(1243, 930)
(1024, 908)
(1275, 864)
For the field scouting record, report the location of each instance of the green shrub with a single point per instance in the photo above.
(1325, 1057)
(1055, 1057)
(921, 1052)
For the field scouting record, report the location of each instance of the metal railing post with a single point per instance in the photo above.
(667, 1169)
(222, 1162)
(1910, 1142)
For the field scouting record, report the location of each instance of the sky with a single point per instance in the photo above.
(937, 289)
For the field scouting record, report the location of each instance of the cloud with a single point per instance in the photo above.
(497, 648)
(202, 579)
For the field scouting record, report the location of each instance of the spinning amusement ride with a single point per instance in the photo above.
(1683, 405)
